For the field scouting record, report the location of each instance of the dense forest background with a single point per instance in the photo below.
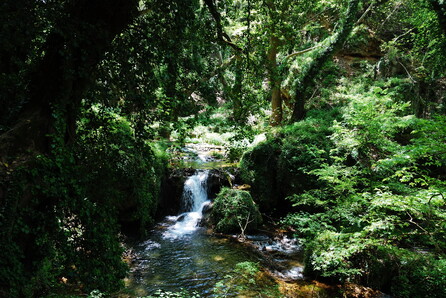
(347, 95)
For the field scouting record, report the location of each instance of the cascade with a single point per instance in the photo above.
(194, 198)
(179, 256)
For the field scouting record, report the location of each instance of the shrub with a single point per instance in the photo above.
(306, 145)
(282, 165)
(75, 198)
(235, 211)
(124, 171)
(421, 276)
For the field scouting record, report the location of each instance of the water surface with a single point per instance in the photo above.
(195, 262)
(178, 254)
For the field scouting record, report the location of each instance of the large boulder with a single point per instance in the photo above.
(234, 210)
(258, 168)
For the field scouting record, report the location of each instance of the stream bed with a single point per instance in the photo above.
(179, 255)
(195, 262)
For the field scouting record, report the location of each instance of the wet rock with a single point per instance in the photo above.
(171, 190)
(218, 178)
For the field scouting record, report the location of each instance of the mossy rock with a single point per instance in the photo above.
(258, 168)
(306, 145)
(234, 209)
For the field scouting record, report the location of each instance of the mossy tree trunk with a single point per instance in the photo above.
(305, 83)
(439, 7)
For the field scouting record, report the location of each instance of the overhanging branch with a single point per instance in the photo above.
(221, 35)
(301, 52)
(219, 69)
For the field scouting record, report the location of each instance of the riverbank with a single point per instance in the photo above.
(281, 258)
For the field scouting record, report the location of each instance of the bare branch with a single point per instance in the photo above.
(245, 226)
(365, 12)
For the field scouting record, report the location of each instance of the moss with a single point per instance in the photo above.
(305, 147)
(281, 167)
(258, 168)
(234, 211)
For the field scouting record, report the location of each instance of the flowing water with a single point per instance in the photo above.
(194, 198)
(179, 255)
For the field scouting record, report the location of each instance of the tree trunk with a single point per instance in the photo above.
(274, 82)
(304, 85)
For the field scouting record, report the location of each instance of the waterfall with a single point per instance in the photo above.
(194, 198)
(195, 192)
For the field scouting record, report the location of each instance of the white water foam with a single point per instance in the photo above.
(194, 198)
(296, 272)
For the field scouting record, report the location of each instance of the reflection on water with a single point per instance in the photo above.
(195, 262)
(179, 255)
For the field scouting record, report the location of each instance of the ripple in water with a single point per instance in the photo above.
(178, 256)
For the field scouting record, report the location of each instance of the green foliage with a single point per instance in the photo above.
(154, 71)
(420, 276)
(428, 41)
(281, 166)
(329, 254)
(379, 188)
(109, 147)
(363, 179)
(25, 29)
(96, 294)
(180, 294)
(239, 143)
(235, 211)
(77, 198)
(305, 146)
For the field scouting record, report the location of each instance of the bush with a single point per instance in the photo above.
(421, 276)
(330, 255)
(235, 211)
(282, 165)
(124, 170)
(377, 185)
(306, 145)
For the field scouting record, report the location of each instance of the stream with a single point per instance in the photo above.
(179, 254)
